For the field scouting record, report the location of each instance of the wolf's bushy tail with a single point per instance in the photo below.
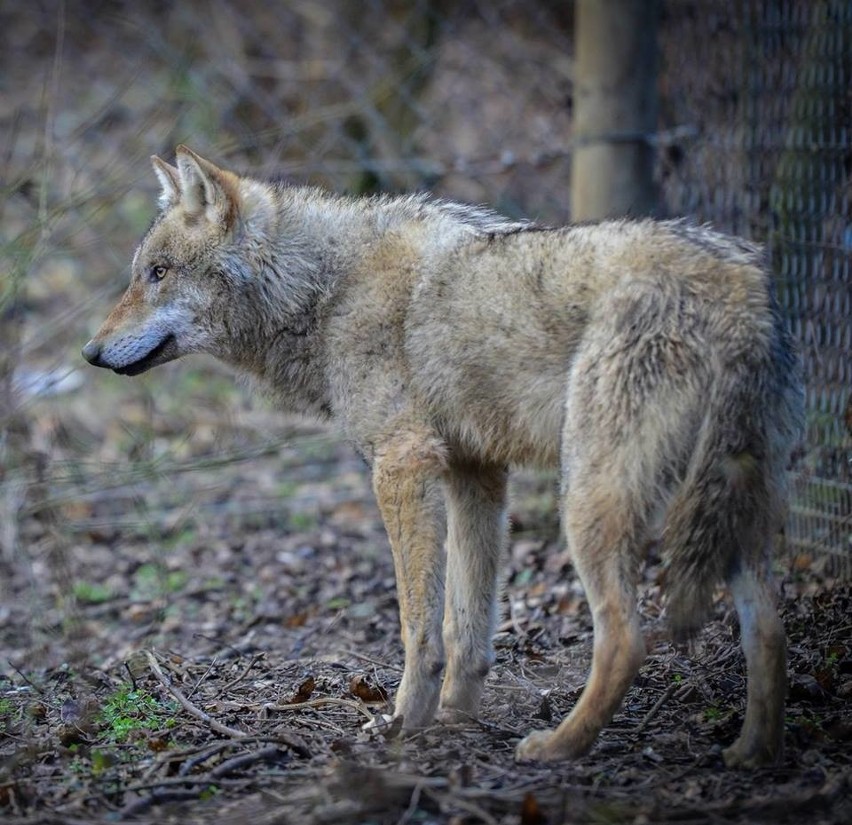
(732, 499)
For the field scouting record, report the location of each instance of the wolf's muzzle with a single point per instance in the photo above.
(163, 352)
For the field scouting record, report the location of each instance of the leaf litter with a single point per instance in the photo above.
(234, 652)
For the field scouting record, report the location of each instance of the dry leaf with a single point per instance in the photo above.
(360, 686)
(303, 692)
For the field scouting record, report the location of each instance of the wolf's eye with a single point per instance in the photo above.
(157, 273)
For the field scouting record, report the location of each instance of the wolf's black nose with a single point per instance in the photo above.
(92, 353)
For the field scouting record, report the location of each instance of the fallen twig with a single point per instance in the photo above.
(203, 676)
(323, 700)
(176, 781)
(667, 693)
(412, 804)
(378, 662)
(280, 738)
(190, 708)
(225, 688)
(143, 803)
(32, 684)
(161, 789)
(200, 758)
(506, 732)
(236, 763)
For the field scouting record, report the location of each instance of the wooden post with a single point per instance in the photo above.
(615, 109)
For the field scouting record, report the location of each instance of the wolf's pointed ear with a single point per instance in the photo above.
(205, 189)
(169, 178)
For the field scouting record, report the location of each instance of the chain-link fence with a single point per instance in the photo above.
(765, 87)
(472, 100)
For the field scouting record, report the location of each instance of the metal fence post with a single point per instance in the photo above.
(615, 109)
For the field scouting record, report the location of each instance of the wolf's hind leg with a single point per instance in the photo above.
(476, 504)
(407, 480)
(603, 536)
(763, 641)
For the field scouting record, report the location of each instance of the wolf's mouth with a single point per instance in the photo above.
(165, 351)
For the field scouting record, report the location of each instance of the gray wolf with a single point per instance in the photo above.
(647, 360)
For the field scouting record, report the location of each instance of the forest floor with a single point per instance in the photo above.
(198, 624)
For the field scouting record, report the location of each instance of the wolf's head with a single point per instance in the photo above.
(184, 272)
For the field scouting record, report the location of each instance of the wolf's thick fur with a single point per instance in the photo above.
(646, 359)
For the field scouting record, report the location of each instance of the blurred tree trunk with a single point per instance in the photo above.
(615, 109)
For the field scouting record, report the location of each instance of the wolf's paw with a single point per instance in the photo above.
(537, 747)
(744, 755)
(454, 716)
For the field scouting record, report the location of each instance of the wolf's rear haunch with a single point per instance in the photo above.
(646, 359)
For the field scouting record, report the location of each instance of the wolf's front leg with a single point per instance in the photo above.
(476, 515)
(407, 480)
